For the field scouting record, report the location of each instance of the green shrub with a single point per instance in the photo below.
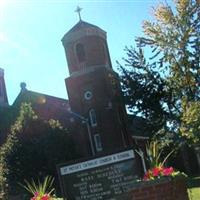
(33, 149)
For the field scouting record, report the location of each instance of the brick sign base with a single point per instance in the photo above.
(164, 189)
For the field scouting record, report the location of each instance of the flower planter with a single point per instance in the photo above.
(161, 189)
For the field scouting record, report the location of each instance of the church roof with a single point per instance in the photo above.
(46, 106)
(81, 25)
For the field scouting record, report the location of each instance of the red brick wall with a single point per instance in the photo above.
(96, 53)
(162, 190)
(110, 121)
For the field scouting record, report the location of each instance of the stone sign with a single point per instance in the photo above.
(105, 178)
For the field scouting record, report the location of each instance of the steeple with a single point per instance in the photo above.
(86, 48)
(3, 93)
(94, 91)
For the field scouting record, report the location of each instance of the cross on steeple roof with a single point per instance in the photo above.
(78, 10)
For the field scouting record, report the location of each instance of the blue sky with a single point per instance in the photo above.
(31, 32)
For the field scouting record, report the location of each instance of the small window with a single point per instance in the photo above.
(97, 140)
(93, 118)
(80, 52)
(88, 95)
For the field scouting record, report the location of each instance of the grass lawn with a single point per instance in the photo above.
(194, 188)
(194, 193)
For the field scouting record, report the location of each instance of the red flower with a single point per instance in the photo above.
(156, 171)
(39, 197)
(45, 197)
(35, 196)
(168, 171)
(146, 176)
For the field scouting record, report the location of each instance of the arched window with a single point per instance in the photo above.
(93, 118)
(98, 144)
(80, 52)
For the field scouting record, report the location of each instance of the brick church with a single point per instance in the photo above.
(95, 111)
(95, 107)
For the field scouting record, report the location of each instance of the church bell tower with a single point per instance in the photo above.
(94, 91)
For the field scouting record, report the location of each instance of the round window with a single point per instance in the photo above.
(88, 95)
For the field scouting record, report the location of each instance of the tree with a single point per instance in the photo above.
(33, 149)
(174, 37)
(144, 89)
(190, 121)
(11, 146)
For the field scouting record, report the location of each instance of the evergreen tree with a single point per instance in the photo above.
(144, 89)
(174, 37)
